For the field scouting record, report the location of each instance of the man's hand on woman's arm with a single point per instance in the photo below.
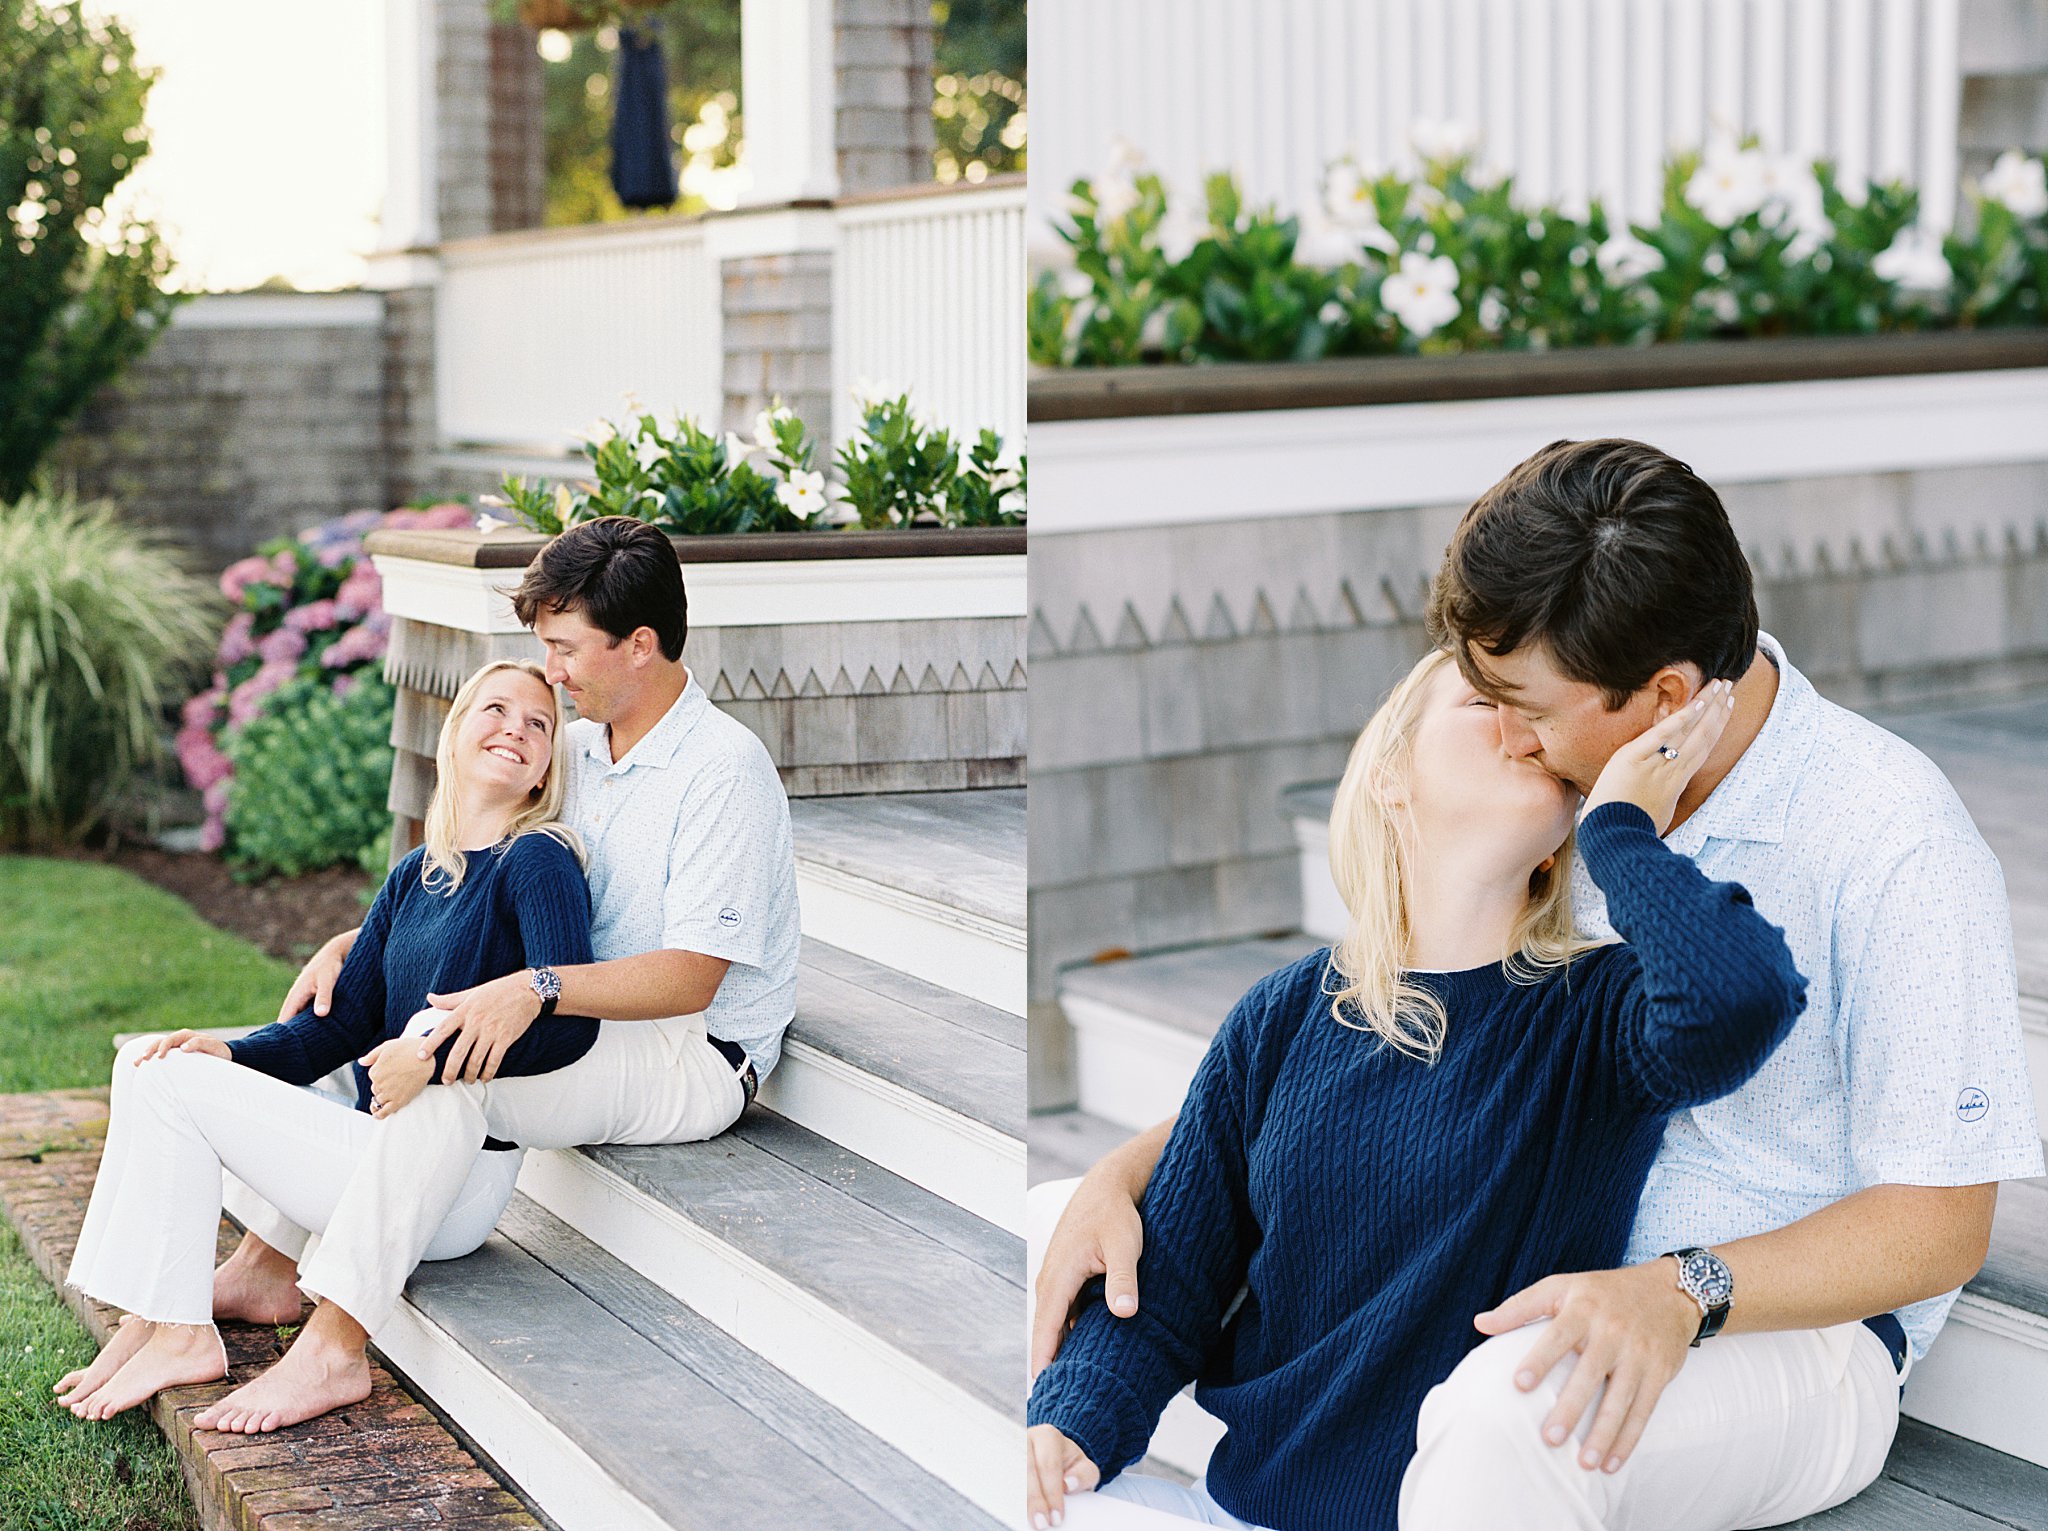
(315, 983)
(1098, 1235)
(492, 1016)
(1876, 1251)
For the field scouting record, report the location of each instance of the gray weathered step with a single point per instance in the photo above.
(931, 883)
(1934, 1481)
(1141, 1025)
(890, 1303)
(2016, 1270)
(935, 1043)
(557, 1358)
(924, 1081)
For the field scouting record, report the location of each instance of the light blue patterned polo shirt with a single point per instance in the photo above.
(690, 849)
(1908, 1066)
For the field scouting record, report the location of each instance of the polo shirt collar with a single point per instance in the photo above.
(659, 745)
(1754, 800)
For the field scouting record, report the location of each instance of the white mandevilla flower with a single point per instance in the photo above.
(764, 427)
(1325, 243)
(2018, 183)
(1116, 188)
(1493, 313)
(1624, 258)
(1724, 305)
(1728, 186)
(737, 449)
(488, 523)
(1179, 232)
(803, 494)
(1437, 140)
(1348, 200)
(1076, 284)
(599, 432)
(648, 451)
(1913, 262)
(1793, 204)
(1423, 293)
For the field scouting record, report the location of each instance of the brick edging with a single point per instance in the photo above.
(384, 1462)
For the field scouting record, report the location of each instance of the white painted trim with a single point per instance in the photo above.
(1186, 1435)
(1091, 475)
(1984, 1377)
(1322, 909)
(448, 595)
(556, 1473)
(1130, 1070)
(385, 270)
(280, 310)
(921, 936)
(937, 1424)
(967, 1162)
(772, 231)
(792, 592)
(774, 594)
(935, 205)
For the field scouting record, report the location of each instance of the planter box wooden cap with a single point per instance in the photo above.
(470, 549)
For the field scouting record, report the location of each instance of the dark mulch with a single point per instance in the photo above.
(286, 917)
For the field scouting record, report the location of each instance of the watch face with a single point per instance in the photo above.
(1709, 1278)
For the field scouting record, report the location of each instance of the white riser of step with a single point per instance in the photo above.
(1130, 1070)
(951, 1155)
(552, 1470)
(1322, 911)
(923, 937)
(1986, 1378)
(953, 1435)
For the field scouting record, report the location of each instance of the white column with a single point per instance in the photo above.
(410, 224)
(788, 94)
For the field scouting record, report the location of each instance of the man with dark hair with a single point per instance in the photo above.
(694, 924)
(1819, 1220)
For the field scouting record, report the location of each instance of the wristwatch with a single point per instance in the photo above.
(1704, 1277)
(548, 985)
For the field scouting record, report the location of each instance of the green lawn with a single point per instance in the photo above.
(61, 1473)
(89, 951)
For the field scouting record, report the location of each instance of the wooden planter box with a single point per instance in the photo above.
(1139, 446)
(865, 661)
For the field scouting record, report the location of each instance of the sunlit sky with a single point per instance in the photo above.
(266, 136)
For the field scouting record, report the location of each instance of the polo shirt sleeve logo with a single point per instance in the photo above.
(1972, 1104)
(729, 917)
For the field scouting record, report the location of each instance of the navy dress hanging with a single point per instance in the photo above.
(643, 155)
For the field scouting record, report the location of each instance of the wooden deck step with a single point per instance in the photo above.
(616, 1408)
(929, 883)
(1141, 1025)
(888, 1302)
(1934, 1481)
(920, 1079)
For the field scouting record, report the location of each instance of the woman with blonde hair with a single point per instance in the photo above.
(1461, 1096)
(497, 887)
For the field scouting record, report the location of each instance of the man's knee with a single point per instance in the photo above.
(1478, 1412)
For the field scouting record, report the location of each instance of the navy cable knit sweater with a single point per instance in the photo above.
(520, 904)
(1370, 1204)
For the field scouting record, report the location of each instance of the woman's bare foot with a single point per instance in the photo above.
(325, 1368)
(127, 1339)
(258, 1285)
(174, 1355)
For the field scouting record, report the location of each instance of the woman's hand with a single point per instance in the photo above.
(185, 1042)
(1651, 770)
(1055, 1468)
(397, 1074)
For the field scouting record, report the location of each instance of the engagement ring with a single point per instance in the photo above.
(1667, 752)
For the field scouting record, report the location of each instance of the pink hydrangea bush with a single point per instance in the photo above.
(310, 605)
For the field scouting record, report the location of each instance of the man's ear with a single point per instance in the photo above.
(645, 645)
(1674, 686)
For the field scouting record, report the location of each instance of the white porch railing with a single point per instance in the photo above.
(928, 294)
(541, 333)
(1579, 98)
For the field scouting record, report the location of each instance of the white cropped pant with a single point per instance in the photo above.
(1756, 1430)
(296, 1163)
(357, 1201)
